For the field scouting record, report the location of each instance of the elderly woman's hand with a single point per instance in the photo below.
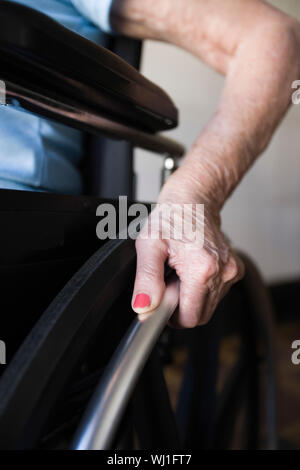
(193, 245)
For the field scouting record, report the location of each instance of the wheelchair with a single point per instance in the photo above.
(82, 372)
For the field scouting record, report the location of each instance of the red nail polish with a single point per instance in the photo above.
(142, 301)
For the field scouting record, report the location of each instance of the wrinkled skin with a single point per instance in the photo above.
(205, 265)
(257, 48)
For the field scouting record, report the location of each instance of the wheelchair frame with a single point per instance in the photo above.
(64, 331)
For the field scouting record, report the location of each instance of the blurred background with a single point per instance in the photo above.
(262, 217)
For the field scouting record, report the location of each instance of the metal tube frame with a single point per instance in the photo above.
(102, 417)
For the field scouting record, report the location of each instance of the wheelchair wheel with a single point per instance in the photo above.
(48, 384)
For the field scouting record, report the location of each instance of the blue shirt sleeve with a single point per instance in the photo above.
(97, 11)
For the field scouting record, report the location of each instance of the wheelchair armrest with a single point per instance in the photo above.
(50, 70)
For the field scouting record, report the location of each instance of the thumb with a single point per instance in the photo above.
(149, 283)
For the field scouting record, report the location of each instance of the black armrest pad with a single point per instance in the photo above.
(40, 55)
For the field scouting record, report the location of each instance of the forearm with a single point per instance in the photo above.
(256, 95)
(256, 46)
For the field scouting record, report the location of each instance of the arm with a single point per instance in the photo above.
(258, 49)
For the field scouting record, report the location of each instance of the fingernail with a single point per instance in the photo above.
(142, 301)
